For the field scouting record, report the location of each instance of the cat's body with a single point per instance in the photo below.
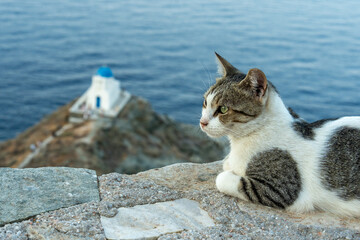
(276, 158)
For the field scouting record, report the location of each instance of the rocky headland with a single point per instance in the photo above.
(137, 139)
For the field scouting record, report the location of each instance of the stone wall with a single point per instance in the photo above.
(179, 201)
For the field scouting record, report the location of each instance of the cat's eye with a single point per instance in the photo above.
(204, 103)
(224, 109)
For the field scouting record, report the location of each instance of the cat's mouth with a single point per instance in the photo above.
(209, 131)
(203, 125)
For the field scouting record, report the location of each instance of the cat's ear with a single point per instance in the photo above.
(224, 67)
(257, 81)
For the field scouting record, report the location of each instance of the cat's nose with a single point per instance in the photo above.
(203, 123)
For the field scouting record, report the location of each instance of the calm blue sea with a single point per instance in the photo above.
(163, 50)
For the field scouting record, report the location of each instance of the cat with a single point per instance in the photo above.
(276, 158)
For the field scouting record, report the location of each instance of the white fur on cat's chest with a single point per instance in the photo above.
(238, 158)
(237, 165)
(245, 149)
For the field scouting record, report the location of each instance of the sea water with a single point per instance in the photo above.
(163, 51)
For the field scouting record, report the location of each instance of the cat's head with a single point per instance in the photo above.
(233, 106)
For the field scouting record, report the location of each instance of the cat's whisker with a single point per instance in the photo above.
(205, 87)
(208, 74)
(200, 88)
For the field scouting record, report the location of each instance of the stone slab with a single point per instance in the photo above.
(29, 192)
(152, 220)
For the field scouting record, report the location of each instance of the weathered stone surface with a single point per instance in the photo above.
(236, 219)
(184, 177)
(119, 190)
(28, 192)
(152, 220)
(76, 222)
(233, 218)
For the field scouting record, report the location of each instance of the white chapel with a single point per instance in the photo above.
(104, 90)
(104, 98)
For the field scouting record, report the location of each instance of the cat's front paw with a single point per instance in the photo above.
(227, 182)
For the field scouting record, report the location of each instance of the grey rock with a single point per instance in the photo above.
(29, 192)
(119, 190)
(152, 220)
(36, 233)
(76, 222)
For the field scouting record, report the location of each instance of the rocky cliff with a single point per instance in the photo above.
(179, 201)
(137, 140)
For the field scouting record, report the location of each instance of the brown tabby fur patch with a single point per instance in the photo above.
(234, 92)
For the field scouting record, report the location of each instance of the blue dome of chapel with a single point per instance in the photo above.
(104, 72)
